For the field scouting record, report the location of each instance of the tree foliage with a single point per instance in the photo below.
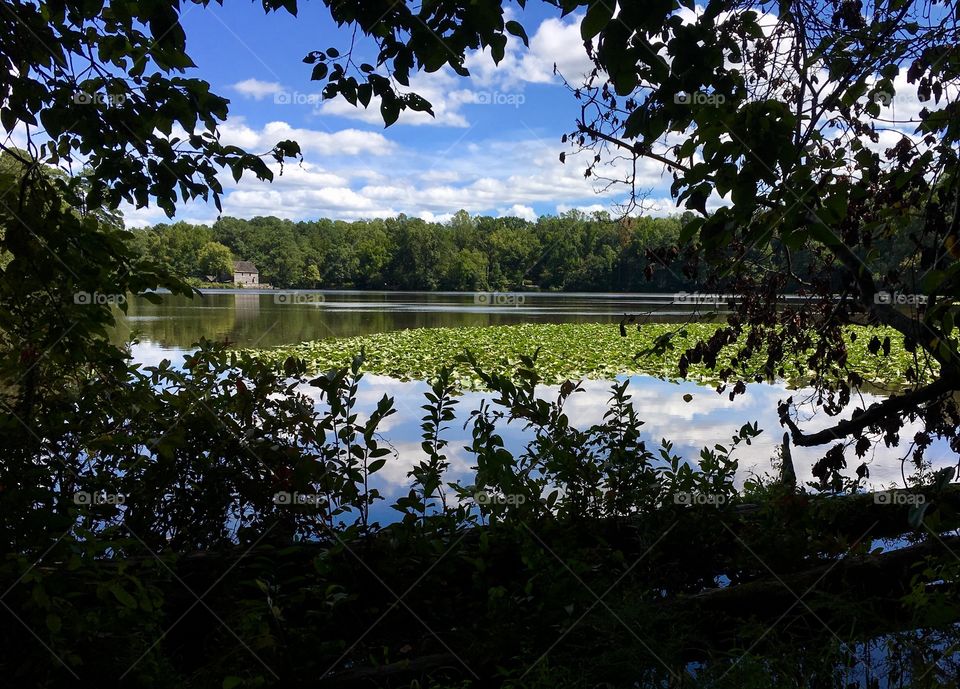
(215, 260)
(574, 251)
(779, 109)
(99, 85)
(778, 112)
(774, 107)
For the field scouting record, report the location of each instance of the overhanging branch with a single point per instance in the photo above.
(633, 148)
(872, 415)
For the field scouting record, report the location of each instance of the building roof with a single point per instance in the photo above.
(244, 267)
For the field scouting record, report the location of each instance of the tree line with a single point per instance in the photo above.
(573, 251)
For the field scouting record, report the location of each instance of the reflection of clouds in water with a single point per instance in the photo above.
(151, 354)
(407, 400)
(708, 419)
(395, 472)
(647, 395)
(401, 431)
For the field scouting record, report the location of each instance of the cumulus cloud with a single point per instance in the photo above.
(256, 89)
(555, 42)
(429, 216)
(193, 213)
(520, 211)
(588, 209)
(352, 174)
(343, 142)
(439, 88)
(489, 83)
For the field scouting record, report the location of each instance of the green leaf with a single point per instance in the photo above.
(123, 597)
(823, 234)
(516, 29)
(498, 48)
(364, 94)
(389, 110)
(54, 623)
(915, 516)
(418, 103)
(598, 16)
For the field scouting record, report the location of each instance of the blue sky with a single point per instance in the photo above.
(493, 147)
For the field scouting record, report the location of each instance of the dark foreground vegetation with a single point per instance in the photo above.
(590, 557)
(149, 529)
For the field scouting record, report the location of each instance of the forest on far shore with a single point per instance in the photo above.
(570, 252)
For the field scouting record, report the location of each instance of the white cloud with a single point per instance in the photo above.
(489, 84)
(588, 209)
(429, 216)
(441, 176)
(303, 175)
(556, 41)
(352, 174)
(193, 213)
(439, 88)
(520, 211)
(284, 204)
(256, 89)
(344, 142)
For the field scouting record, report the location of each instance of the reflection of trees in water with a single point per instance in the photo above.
(257, 319)
(286, 324)
(121, 333)
(180, 321)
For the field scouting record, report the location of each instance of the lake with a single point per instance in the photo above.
(263, 318)
(248, 318)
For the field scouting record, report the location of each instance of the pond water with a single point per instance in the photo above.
(264, 319)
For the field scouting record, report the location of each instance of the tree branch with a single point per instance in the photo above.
(873, 414)
(636, 149)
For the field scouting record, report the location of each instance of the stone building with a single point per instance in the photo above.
(246, 274)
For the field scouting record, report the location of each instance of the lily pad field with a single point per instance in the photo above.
(573, 350)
